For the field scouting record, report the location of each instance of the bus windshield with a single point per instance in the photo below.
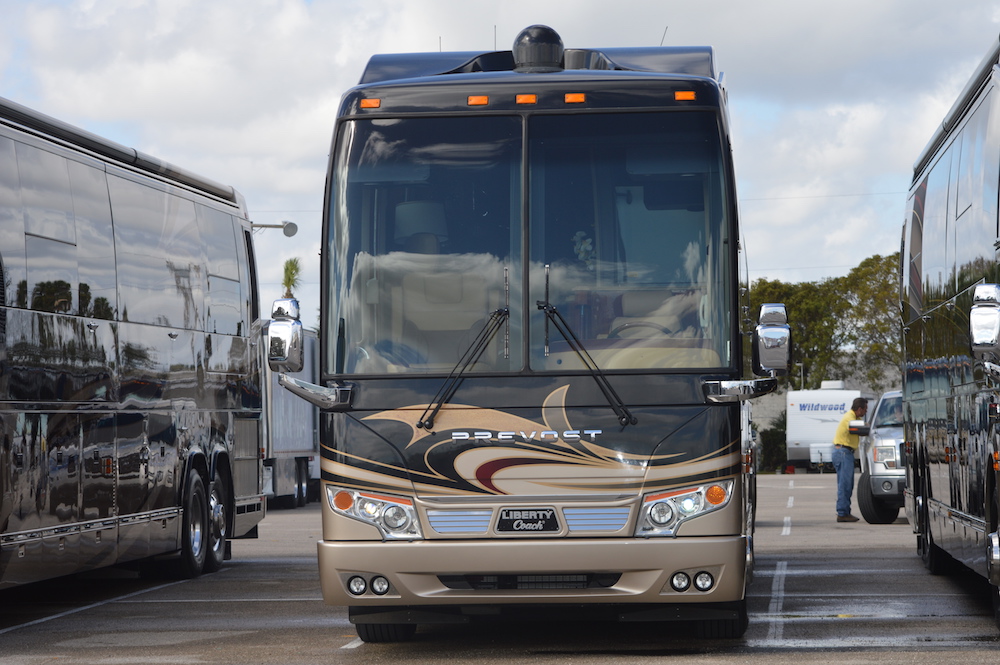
(616, 225)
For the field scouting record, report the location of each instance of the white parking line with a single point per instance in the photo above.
(791, 501)
(88, 607)
(777, 627)
(787, 529)
(353, 644)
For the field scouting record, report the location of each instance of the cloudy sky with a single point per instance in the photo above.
(831, 101)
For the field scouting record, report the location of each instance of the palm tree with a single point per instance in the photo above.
(292, 277)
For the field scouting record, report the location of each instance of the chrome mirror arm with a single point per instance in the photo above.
(721, 392)
(337, 398)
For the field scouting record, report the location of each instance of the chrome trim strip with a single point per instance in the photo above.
(28, 535)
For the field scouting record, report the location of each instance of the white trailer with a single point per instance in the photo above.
(813, 416)
(291, 450)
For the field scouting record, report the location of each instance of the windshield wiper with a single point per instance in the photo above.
(552, 314)
(469, 358)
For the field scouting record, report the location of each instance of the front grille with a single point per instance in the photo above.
(460, 521)
(530, 582)
(596, 519)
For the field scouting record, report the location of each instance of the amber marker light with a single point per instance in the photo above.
(478, 100)
(526, 99)
(684, 95)
(715, 495)
(343, 501)
(371, 103)
(575, 97)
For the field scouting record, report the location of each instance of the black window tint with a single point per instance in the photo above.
(50, 232)
(248, 273)
(12, 264)
(217, 234)
(98, 295)
(52, 275)
(223, 307)
(160, 272)
(45, 194)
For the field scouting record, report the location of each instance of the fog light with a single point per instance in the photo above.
(704, 581)
(887, 486)
(680, 581)
(380, 585)
(357, 585)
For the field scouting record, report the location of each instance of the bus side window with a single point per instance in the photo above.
(50, 233)
(12, 264)
(94, 242)
(223, 308)
(161, 270)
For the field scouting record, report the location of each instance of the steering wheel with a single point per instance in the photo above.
(638, 324)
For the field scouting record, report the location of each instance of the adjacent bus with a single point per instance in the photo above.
(130, 368)
(531, 349)
(950, 306)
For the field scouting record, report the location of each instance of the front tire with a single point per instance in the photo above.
(386, 632)
(873, 510)
(194, 529)
(725, 629)
(301, 483)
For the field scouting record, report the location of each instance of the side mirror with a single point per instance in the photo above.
(984, 323)
(284, 337)
(858, 428)
(772, 341)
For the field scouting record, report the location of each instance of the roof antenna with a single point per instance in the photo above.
(664, 37)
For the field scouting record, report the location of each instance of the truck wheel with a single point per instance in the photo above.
(873, 510)
(218, 525)
(386, 632)
(194, 528)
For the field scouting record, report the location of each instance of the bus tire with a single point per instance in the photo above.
(301, 482)
(386, 632)
(725, 629)
(935, 559)
(218, 524)
(873, 510)
(194, 527)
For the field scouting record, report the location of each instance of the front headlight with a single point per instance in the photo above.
(394, 516)
(663, 512)
(886, 455)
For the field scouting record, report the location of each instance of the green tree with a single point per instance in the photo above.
(873, 327)
(842, 326)
(292, 277)
(814, 309)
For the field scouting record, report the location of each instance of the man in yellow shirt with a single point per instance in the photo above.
(844, 445)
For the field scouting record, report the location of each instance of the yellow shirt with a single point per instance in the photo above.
(844, 438)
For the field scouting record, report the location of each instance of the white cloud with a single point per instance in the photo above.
(831, 102)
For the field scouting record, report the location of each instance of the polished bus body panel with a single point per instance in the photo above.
(128, 357)
(950, 236)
